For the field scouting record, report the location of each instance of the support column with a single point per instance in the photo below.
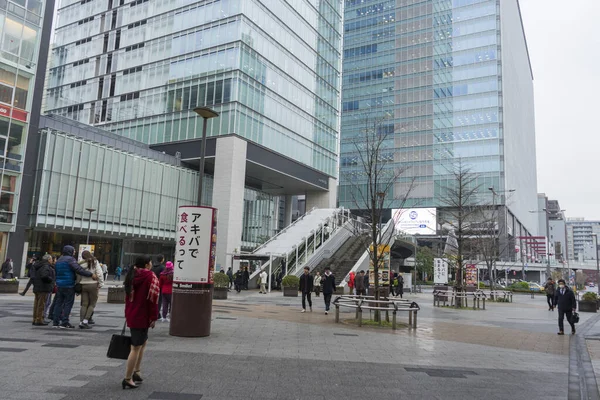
(323, 199)
(287, 218)
(228, 195)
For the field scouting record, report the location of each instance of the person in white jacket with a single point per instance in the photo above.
(89, 288)
(263, 282)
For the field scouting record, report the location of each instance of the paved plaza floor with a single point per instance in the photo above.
(262, 347)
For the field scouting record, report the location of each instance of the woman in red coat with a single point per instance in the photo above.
(166, 289)
(141, 310)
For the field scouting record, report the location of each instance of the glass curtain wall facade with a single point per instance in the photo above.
(20, 27)
(133, 196)
(430, 71)
(138, 68)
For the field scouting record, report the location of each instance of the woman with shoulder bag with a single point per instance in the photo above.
(89, 288)
(142, 289)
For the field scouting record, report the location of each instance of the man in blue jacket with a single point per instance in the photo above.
(66, 270)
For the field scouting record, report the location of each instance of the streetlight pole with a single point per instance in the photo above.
(595, 236)
(206, 113)
(90, 210)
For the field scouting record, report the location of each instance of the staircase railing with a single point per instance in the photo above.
(303, 250)
(284, 230)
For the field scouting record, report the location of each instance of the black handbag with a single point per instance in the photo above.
(575, 318)
(78, 288)
(120, 345)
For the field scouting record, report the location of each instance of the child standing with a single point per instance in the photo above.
(166, 288)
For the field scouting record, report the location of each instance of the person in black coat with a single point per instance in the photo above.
(43, 283)
(239, 280)
(306, 287)
(567, 304)
(328, 283)
(246, 277)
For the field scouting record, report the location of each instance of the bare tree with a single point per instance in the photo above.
(461, 201)
(373, 188)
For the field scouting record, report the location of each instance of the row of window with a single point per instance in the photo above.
(77, 84)
(86, 20)
(81, 62)
(361, 50)
(132, 70)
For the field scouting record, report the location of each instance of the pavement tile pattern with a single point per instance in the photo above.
(261, 347)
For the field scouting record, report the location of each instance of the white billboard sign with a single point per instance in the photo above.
(440, 271)
(416, 221)
(196, 244)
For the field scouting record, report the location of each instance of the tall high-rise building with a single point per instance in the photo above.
(270, 69)
(25, 27)
(446, 80)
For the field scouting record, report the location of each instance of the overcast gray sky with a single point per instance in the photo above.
(564, 48)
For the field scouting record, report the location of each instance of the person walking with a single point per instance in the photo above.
(359, 283)
(239, 280)
(230, 275)
(43, 284)
(306, 288)
(142, 289)
(317, 284)
(118, 271)
(48, 310)
(66, 270)
(30, 275)
(7, 269)
(550, 289)
(328, 282)
(351, 283)
(263, 282)
(400, 287)
(392, 283)
(104, 271)
(166, 290)
(246, 278)
(567, 304)
(89, 288)
(366, 284)
(158, 269)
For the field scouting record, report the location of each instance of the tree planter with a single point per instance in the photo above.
(220, 293)
(588, 306)
(9, 286)
(290, 292)
(598, 304)
(116, 295)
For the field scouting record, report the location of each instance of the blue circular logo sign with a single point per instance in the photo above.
(413, 215)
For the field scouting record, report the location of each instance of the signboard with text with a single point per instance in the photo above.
(440, 271)
(384, 265)
(471, 274)
(416, 221)
(6, 111)
(196, 245)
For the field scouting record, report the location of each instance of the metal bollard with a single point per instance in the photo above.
(359, 316)
(415, 320)
(394, 320)
(484, 303)
(410, 318)
(337, 313)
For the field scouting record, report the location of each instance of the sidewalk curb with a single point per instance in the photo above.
(582, 378)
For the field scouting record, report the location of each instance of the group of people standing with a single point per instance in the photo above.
(64, 277)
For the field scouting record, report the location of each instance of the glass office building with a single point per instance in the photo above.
(21, 23)
(448, 80)
(138, 68)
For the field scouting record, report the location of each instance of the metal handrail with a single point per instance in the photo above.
(284, 230)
